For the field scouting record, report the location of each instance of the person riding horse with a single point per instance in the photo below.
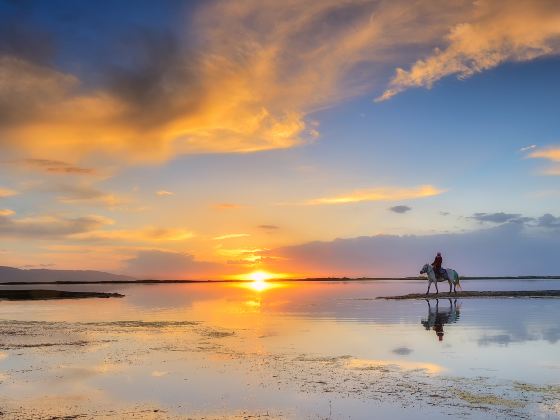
(438, 261)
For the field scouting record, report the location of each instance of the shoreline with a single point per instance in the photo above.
(303, 280)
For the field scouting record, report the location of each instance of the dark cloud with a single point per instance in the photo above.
(21, 39)
(48, 227)
(71, 170)
(500, 217)
(402, 351)
(444, 213)
(156, 67)
(156, 264)
(54, 166)
(81, 193)
(500, 339)
(549, 221)
(268, 227)
(78, 192)
(507, 249)
(400, 209)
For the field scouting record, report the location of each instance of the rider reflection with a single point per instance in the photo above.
(438, 317)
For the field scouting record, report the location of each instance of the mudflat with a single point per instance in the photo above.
(479, 294)
(39, 294)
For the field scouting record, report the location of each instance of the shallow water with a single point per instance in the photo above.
(282, 350)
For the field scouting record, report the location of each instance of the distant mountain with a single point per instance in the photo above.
(11, 274)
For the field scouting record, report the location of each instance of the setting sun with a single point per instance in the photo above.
(260, 276)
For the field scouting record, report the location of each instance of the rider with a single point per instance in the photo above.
(437, 264)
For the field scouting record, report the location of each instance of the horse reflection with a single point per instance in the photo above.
(438, 317)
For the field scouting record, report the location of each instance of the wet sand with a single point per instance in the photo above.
(479, 294)
(127, 345)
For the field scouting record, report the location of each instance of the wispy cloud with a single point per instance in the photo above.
(379, 194)
(527, 148)
(54, 166)
(552, 171)
(72, 194)
(7, 212)
(147, 234)
(164, 193)
(268, 227)
(231, 236)
(50, 226)
(551, 154)
(227, 206)
(7, 192)
(500, 217)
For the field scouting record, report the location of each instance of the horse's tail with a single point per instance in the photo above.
(458, 283)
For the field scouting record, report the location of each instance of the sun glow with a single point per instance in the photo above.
(258, 280)
(260, 276)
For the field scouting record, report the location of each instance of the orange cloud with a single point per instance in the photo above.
(489, 35)
(227, 206)
(149, 234)
(379, 194)
(553, 171)
(163, 193)
(552, 154)
(255, 75)
(231, 236)
(256, 72)
(54, 166)
(6, 192)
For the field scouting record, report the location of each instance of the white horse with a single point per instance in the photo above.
(452, 278)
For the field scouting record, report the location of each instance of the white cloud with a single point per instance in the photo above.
(527, 148)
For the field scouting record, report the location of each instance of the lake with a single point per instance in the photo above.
(282, 350)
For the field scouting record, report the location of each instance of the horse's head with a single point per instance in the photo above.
(425, 268)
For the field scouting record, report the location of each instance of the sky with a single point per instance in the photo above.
(211, 139)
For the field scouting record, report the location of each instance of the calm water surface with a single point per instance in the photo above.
(231, 349)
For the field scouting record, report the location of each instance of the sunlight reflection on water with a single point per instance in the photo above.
(168, 341)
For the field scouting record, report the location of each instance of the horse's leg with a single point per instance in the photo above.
(456, 280)
(449, 281)
(437, 290)
(429, 285)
